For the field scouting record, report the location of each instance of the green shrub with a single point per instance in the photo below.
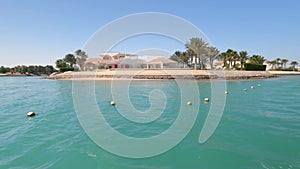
(66, 69)
(4, 69)
(251, 66)
(284, 69)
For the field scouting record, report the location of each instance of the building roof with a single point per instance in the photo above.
(100, 61)
(162, 60)
(93, 60)
(116, 54)
(109, 54)
(109, 61)
(132, 61)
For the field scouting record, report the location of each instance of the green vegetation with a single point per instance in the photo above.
(230, 58)
(253, 66)
(198, 47)
(284, 61)
(257, 59)
(70, 60)
(180, 57)
(28, 70)
(81, 58)
(237, 60)
(198, 54)
(212, 55)
(293, 65)
(281, 65)
(4, 69)
(71, 63)
(243, 58)
(63, 66)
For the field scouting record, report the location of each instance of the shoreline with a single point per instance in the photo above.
(161, 74)
(285, 72)
(19, 75)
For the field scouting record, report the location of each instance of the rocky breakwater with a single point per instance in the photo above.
(167, 74)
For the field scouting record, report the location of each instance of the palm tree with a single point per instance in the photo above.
(294, 64)
(284, 61)
(278, 62)
(212, 55)
(224, 57)
(81, 58)
(257, 59)
(229, 58)
(243, 57)
(235, 57)
(191, 54)
(273, 63)
(199, 47)
(232, 57)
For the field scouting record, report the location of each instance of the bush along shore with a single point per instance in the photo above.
(27, 70)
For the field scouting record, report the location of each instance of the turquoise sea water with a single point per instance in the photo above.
(260, 128)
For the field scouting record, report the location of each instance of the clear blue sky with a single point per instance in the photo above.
(41, 31)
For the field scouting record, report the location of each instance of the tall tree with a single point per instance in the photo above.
(176, 56)
(191, 55)
(294, 64)
(81, 57)
(235, 57)
(49, 69)
(61, 64)
(243, 57)
(273, 63)
(230, 54)
(181, 57)
(224, 57)
(70, 59)
(4, 69)
(199, 47)
(278, 62)
(257, 59)
(213, 53)
(284, 61)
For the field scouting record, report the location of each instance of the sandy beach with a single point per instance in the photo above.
(15, 74)
(161, 74)
(284, 73)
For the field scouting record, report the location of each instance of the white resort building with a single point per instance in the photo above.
(117, 60)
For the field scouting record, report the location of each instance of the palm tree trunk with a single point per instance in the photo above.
(242, 65)
(195, 62)
(200, 62)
